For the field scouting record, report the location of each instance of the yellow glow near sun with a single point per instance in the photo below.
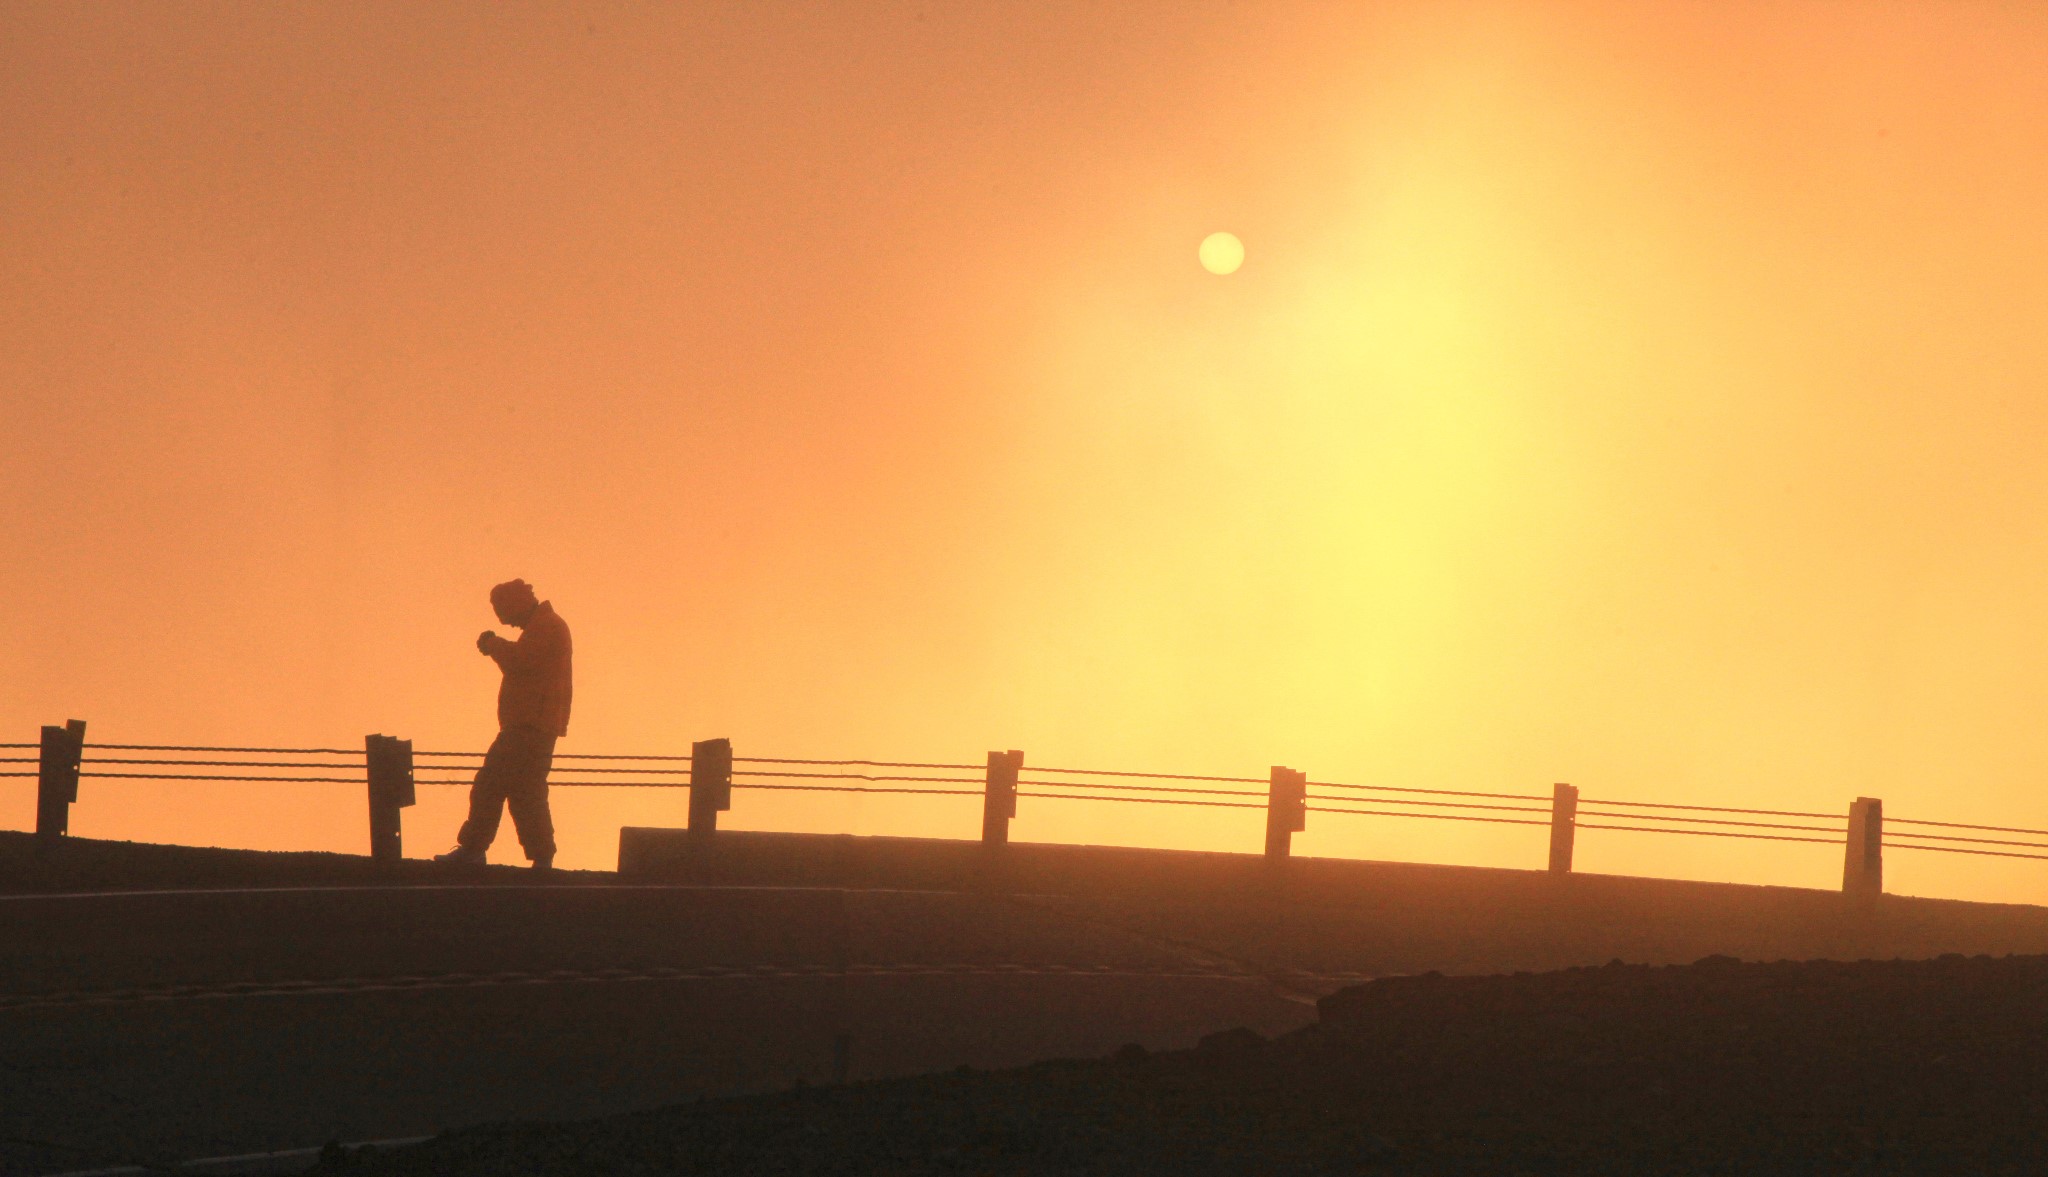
(1222, 253)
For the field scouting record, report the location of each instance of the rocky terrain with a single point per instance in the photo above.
(1717, 1067)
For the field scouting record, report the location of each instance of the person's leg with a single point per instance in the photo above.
(528, 797)
(487, 795)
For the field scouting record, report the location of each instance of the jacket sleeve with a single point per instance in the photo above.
(530, 652)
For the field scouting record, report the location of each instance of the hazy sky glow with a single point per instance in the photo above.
(1647, 396)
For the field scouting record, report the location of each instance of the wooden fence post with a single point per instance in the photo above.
(1863, 861)
(57, 779)
(999, 796)
(387, 762)
(1286, 810)
(710, 785)
(1564, 827)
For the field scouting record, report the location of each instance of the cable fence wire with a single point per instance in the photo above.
(1891, 845)
(668, 770)
(558, 756)
(739, 783)
(1145, 800)
(216, 776)
(456, 768)
(567, 781)
(856, 763)
(1957, 825)
(465, 782)
(1427, 792)
(1157, 776)
(684, 759)
(1717, 821)
(217, 748)
(1713, 809)
(763, 780)
(1712, 833)
(1981, 841)
(1140, 788)
(743, 781)
(858, 789)
(1506, 821)
(861, 776)
(327, 764)
(1432, 804)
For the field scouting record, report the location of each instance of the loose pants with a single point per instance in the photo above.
(514, 775)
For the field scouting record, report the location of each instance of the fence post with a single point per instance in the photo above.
(710, 785)
(387, 762)
(1286, 810)
(1564, 826)
(1863, 862)
(57, 779)
(999, 796)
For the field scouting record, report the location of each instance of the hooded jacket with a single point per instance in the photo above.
(537, 686)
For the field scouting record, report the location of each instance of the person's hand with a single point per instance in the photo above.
(484, 640)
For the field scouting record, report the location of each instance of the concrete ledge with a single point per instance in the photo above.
(745, 857)
(943, 864)
(1342, 914)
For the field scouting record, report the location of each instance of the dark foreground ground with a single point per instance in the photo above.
(162, 1003)
(85, 864)
(1937, 1067)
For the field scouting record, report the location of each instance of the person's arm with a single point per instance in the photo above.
(530, 651)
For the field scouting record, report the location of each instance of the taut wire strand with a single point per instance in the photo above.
(558, 755)
(1505, 821)
(860, 776)
(1980, 841)
(1141, 788)
(208, 776)
(1958, 825)
(90, 759)
(1713, 834)
(1143, 800)
(669, 771)
(1716, 809)
(1964, 850)
(214, 748)
(1717, 821)
(1431, 804)
(853, 763)
(1432, 792)
(1157, 776)
(858, 789)
(628, 771)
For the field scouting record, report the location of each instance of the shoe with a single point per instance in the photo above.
(543, 866)
(463, 856)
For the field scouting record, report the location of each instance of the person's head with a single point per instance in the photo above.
(514, 602)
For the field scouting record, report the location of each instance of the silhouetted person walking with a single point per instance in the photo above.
(533, 712)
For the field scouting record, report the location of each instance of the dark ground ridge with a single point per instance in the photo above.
(1718, 1067)
(297, 988)
(1887, 1066)
(89, 864)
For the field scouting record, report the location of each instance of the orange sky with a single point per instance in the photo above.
(1643, 396)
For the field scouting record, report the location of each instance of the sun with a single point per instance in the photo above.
(1222, 253)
